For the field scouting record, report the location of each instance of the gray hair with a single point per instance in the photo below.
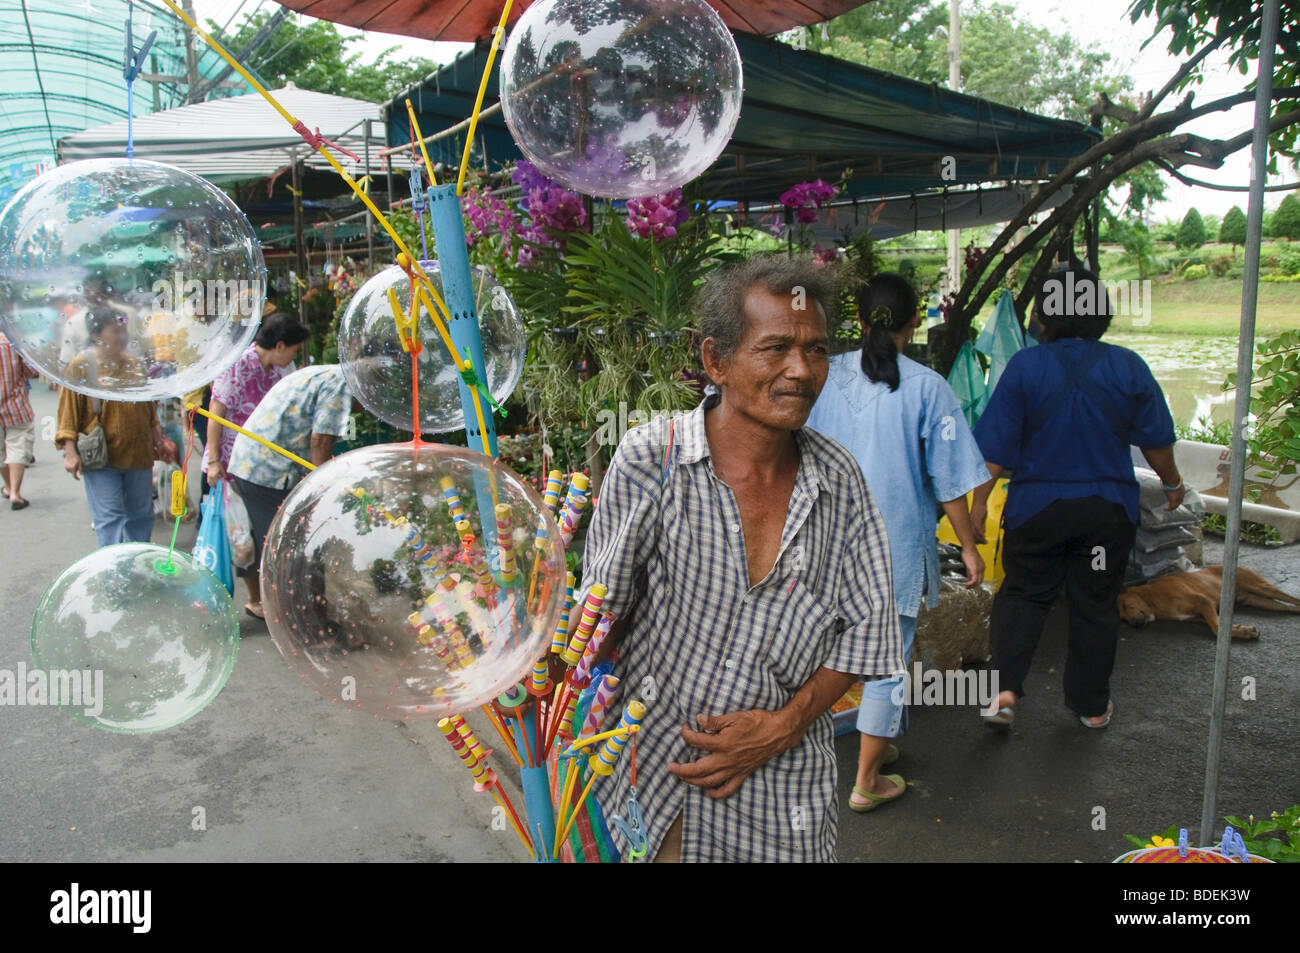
(720, 303)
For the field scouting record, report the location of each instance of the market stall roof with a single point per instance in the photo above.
(806, 116)
(61, 72)
(470, 20)
(239, 138)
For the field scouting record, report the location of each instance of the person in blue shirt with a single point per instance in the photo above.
(1061, 420)
(904, 425)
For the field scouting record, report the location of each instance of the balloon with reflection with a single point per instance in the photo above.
(166, 260)
(378, 371)
(163, 632)
(412, 582)
(621, 98)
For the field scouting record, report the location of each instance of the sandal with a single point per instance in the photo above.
(875, 800)
(255, 613)
(1105, 717)
(19, 504)
(1004, 717)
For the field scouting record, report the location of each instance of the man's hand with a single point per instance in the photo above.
(979, 517)
(215, 472)
(72, 461)
(739, 745)
(974, 566)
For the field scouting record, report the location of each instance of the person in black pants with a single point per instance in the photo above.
(1061, 420)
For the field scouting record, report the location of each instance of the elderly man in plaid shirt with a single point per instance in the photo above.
(754, 570)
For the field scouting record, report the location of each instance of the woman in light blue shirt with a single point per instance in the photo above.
(905, 426)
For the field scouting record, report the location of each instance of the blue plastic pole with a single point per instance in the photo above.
(458, 292)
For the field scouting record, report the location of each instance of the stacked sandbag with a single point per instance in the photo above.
(1167, 540)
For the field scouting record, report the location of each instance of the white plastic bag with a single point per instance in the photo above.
(238, 528)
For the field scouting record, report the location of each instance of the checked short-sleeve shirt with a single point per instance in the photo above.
(714, 645)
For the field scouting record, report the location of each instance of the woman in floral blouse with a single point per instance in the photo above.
(240, 388)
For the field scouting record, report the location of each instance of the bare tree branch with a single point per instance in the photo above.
(1179, 76)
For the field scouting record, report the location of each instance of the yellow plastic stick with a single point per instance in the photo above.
(614, 733)
(528, 846)
(252, 436)
(569, 785)
(415, 127)
(574, 814)
(442, 311)
(482, 91)
(427, 285)
(399, 318)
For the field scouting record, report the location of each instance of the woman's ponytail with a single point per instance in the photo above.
(886, 304)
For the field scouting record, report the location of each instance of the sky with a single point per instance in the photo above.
(1103, 23)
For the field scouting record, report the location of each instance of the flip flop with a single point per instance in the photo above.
(256, 614)
(19, 504)
(875, 800)
(1004, 717)
(1110, 710)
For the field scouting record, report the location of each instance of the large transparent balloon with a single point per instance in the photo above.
(378, 371)
(621, 98)
(412, 582)
(148, 641)
(128, 280)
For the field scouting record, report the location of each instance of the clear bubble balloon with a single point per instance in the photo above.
(621, 98)
(411, 582)
(378, 371)
(152, 639)
(128, 280)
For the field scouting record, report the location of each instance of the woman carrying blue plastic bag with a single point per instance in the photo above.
(212, 547)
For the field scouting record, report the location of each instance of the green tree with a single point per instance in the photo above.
(1286, 220)
(1152, 133)
(1003, 58)
(316, 57)
(1233, 230)
(1191, 231)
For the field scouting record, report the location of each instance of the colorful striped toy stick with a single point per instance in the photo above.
(561, 636)
(586, 625)
(600, 704)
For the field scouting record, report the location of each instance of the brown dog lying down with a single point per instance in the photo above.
(1191, 595)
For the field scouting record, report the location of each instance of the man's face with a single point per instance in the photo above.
(780, 366)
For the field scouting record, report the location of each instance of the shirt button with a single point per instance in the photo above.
(734, 527)
(730, 663)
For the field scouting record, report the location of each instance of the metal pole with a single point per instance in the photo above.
(299, 240)
(370, 232)
(1240, 412)
(954, 82)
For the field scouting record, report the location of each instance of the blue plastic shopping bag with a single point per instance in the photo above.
(212, 548)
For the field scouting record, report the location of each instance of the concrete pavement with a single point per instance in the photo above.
(282, 775)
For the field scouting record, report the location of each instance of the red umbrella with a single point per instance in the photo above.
(470, 20)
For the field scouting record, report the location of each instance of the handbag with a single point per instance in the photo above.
(92, 446)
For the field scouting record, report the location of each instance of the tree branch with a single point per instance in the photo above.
(1179, 76)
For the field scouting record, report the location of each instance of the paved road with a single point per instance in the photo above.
(1035, 793)
(282, 775)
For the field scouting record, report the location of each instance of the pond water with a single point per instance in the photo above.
(1190, 368)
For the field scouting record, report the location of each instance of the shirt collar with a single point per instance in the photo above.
(694, 442)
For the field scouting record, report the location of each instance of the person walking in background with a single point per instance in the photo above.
(238, 389)
(1061, 420)
(904, 425)
(120, 493)
(17, 421)
(304, 413)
